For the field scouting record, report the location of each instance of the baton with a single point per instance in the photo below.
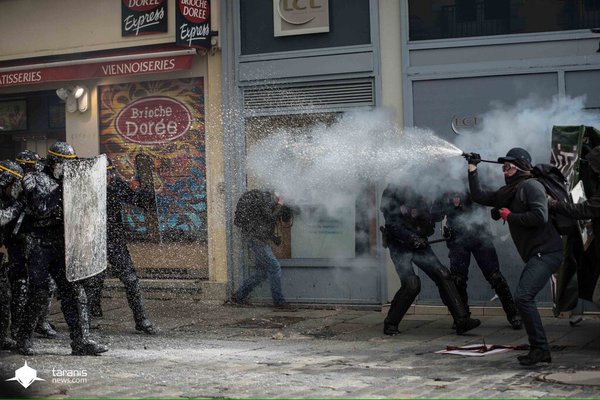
(18, 224)
(437, 241)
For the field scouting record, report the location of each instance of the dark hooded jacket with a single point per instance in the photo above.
(256, 215)
(530, 227)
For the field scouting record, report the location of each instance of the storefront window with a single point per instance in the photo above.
(319, 231)
(441, 19)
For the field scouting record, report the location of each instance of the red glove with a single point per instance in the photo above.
(504, 213)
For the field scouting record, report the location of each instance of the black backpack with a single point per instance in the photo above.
(556, 187)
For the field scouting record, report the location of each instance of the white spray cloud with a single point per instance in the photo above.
(365, 148)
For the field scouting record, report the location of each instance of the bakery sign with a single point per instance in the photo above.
(153, 120)
(192, 23)
(300, 17)
(142, 17)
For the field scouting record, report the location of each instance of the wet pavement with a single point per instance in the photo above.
(210, 350)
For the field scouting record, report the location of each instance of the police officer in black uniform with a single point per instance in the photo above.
(46, 256)
(29, 161)
(467, 234)
(119, 193)
(408, 223)
(10, 208)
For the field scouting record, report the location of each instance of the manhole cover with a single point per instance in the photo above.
(277, 322)
(587, 378)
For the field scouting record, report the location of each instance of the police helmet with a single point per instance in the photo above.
(60, 152)
(28, 159)
(10, 171)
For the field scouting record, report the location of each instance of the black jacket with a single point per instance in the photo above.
(44, 206)
(529, 225)
(463, 220)
(257, 212)
(10, 210)
(406, 214)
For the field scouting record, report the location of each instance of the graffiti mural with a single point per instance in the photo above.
(164, 120)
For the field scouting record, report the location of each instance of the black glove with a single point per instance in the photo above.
(472, 158)
(276, 240)
(449, 233)
(495, 214)
(418, 242)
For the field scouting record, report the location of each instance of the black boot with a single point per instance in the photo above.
(44, 327)
(81, 344)
(38, 300)
(389, 328)
(535, 356)
(461, 286)
(93, 289)
(136, 303)
(403, 299)
(451, 297)
(500, 286)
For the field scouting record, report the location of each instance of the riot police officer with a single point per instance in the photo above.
(46, 256)
(408, 223)
(10, 208)
(120, 263)
(467, 234)
(29, 161)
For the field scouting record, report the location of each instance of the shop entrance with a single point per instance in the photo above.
(30, 121)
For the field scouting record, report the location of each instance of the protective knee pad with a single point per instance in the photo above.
(442, 274)
(459, 280)
(412, 285)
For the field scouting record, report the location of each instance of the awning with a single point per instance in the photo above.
(97, 67)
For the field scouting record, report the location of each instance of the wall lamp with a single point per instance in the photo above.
(75, 98)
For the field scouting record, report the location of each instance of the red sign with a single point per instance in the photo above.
(153, 120)
(28, 76)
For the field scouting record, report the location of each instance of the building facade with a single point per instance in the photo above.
(273, 66)
(109, 77)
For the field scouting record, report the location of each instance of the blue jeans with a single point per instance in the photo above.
(267, 265)
(534, 277)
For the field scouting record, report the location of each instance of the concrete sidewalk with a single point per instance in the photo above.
(209, 350)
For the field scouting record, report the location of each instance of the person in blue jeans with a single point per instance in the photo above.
(522, 202)
(257, 213)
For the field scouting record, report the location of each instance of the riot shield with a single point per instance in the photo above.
(145, 170)
(84, 208)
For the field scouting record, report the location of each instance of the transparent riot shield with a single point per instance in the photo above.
(84, 206)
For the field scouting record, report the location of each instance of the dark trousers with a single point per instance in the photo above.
(535, 276)
(427, 261)
(121, 265)
(459, 253)
(47, 261)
